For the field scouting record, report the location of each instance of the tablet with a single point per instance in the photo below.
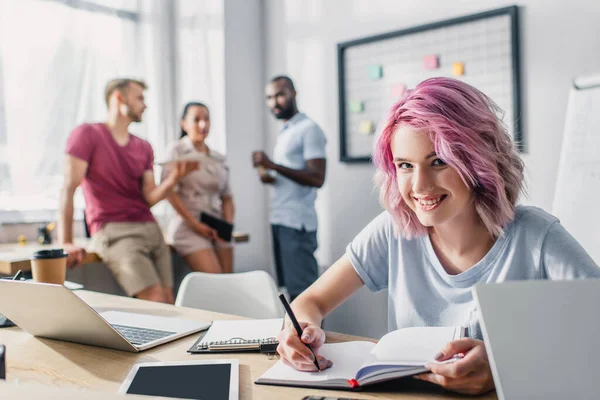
(200, 379)
(224, 229)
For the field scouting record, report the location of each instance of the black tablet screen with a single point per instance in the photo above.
(205, 381)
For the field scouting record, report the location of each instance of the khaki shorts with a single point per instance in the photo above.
(136, 254)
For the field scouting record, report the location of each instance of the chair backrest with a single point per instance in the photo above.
(247, 294)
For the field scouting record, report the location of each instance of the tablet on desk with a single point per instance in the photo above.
(200, 379)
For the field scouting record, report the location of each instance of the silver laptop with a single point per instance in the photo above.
(542, 338)
(55, 312)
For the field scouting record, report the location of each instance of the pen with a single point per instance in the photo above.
(290, 314)
(2, 362)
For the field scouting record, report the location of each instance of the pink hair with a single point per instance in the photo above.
(468, 134)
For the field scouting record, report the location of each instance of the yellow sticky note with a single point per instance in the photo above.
(366, 127)
(458, 69)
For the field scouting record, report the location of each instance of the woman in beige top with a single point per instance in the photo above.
(205, 190)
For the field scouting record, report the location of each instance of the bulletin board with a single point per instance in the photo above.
(373, 72)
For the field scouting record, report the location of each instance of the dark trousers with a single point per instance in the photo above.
(295, 261)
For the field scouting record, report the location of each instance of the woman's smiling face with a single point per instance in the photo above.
(430, 187)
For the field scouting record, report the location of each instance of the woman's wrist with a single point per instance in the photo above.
(191, 221)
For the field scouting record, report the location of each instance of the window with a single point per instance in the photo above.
(56, 57)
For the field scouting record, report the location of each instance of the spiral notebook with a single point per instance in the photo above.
(239, 336)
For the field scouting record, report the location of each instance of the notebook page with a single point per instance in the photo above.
(346, 357)
(414, 346)
(251, 329)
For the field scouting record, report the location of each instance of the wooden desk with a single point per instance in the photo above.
(57, 363)
(14, 257)
(240, 237)
(17, 391)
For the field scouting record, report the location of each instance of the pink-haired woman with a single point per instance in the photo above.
(449, 178)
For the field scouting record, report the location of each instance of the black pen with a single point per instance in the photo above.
(2, 362)
(290, 314)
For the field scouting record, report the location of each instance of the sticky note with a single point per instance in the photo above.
(458, 69)
(366, 127)
(398, 90)
(431, 61)
(357, 106)
(374, 72)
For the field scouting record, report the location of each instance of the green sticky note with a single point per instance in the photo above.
(374, 72)
(357, 106)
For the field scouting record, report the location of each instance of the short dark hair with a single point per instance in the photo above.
(185, 111)
(286, 81)
(121, 85)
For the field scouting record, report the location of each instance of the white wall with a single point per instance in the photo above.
(244, 69)
(559, 40)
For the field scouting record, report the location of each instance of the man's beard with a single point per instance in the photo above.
(131, 115)
(286, 113)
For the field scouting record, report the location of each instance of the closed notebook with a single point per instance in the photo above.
(240, 336)
(400, 353)
(224, 229)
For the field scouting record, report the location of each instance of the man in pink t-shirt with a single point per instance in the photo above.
(115, 171)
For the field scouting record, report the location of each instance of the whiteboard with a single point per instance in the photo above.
(578, 183)
(374, 72)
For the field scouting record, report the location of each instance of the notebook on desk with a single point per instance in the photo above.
(398, 354)
(240, 336)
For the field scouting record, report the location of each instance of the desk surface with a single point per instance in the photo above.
(14, 257)
(18, 391)
(33, 360)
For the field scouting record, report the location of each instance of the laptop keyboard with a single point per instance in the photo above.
(140, 336)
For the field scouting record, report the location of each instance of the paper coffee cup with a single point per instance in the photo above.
(49, 266)
(262, 171)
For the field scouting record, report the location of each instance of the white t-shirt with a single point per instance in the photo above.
(421, 293)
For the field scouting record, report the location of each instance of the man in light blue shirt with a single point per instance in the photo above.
(297, 170)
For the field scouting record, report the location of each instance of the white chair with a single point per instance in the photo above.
(247, 294)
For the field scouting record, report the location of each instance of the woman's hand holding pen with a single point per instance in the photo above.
(294, 352)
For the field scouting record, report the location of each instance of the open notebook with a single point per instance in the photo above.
(400, 353)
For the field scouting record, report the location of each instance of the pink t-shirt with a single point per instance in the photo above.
(112, 187)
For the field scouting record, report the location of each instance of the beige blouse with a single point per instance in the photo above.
(202, 190)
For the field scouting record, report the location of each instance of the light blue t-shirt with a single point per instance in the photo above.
(293, 204)
(421, 293)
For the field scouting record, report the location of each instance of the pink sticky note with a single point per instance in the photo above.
(431, 61)
(398, 90)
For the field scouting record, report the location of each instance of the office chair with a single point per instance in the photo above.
(248, 294)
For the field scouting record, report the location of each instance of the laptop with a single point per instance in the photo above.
(55, 312)
(542, 337)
